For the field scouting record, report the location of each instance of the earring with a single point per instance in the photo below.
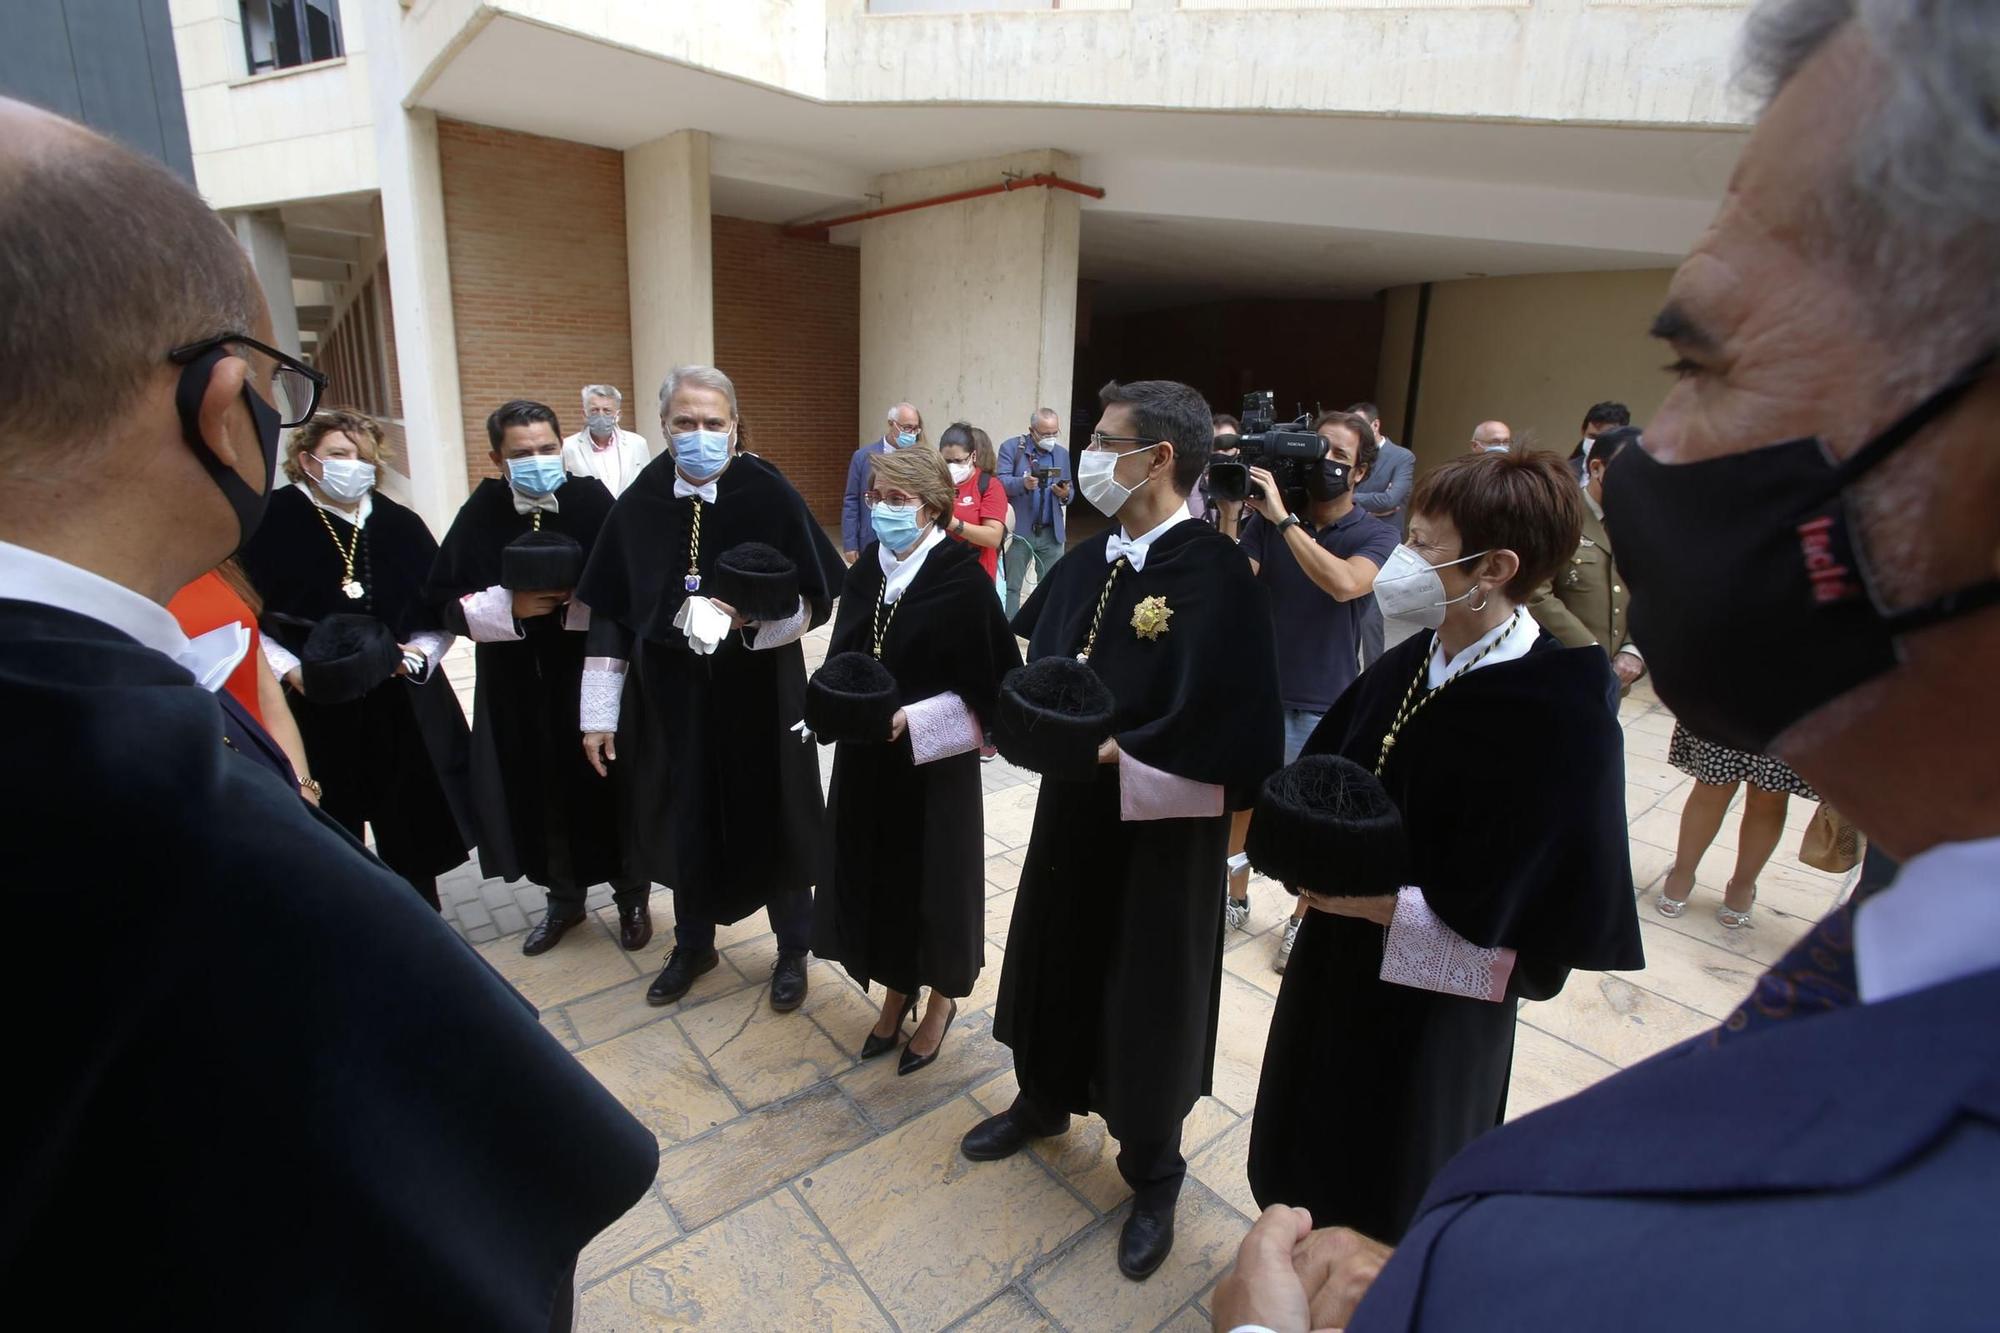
(1479, 605)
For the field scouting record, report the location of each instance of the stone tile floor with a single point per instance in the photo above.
(799, 1188)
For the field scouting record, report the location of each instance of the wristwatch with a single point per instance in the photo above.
(1288, 521)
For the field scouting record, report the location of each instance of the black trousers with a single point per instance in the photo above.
(567, 899)
(791, 920)
(1154, 1169)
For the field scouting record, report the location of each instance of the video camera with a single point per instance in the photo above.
(1291, 453)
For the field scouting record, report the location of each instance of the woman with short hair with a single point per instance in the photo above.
(1393, 1037)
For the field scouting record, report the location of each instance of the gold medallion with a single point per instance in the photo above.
(1150, 617)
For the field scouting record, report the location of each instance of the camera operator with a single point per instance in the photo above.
(1317, 553)
(1224, 515)
(1034, 470)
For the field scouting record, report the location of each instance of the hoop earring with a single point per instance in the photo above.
(1479, 605)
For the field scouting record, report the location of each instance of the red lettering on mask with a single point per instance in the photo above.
(1832, 581)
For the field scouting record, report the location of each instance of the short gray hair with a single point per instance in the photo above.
(1915, 217)
(890, 415)
(1044, 414)
(700, 377)
(610, 391)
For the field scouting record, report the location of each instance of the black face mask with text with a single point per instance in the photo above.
(1328, 479)
(1750, 595)
(248, 504)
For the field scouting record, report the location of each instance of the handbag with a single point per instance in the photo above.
(1831, 843)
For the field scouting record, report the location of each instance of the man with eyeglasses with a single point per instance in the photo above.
(1034, 469)
(300, 1027)
(904, 428)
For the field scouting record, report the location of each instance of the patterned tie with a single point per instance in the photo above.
(1816, 976)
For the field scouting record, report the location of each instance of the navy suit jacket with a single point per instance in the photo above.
(855, 532)
(1018, 457)
(1839, 1171)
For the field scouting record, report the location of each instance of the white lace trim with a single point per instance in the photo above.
(603, 690)
(489, 615)
(940, 727)
(1422, 952)
(778, 633)
(1145, 792)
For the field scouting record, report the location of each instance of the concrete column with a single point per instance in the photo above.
(670, 269)
(262, 236)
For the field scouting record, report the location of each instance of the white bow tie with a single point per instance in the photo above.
(683, 488)
(1131, 548)
(528, 504)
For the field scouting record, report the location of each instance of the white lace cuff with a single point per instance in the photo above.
(777, 633)
(940, 727)
(433, 644)
(489, 616)
(1144, 792)
(576, 616)
(1422, 952)
(603, 689)
(281, 658)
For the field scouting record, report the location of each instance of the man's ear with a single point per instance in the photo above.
(498, 461)
(225, 391)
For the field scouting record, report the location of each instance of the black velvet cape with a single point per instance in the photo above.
(542, 810)
(1512, 787)
(723, 800)
(398, 757)
(328, 1110)
(1112, 982)
(903, 900)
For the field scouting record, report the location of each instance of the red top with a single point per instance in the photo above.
(975, 509)
(209, 603)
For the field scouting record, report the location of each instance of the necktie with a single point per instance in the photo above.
(1815, 977)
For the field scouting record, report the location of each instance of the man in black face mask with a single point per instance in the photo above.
(1810, 534)
(292, 1079)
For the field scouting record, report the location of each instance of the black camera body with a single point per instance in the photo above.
(1045, 475)
(1291, 453)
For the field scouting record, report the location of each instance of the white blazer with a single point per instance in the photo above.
(615, 465)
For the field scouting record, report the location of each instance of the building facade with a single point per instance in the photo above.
(1460, 210)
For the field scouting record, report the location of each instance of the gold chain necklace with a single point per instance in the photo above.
(348, 583)
(1103, 600)
(693, 580)
(881, 625)
(1412, 705)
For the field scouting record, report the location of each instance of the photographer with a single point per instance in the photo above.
(1034, 469)
(1319, 565)
(1224, 515)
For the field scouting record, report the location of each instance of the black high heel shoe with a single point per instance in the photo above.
(912, 1062)
(875, 1045)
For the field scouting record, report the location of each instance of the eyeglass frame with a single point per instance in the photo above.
(194, 351)
(1099, 440)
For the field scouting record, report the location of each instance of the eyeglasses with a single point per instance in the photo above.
(1098, 441)
(891, 498)
(295, 386)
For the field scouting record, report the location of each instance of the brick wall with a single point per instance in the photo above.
(536, 233)
(788, 332)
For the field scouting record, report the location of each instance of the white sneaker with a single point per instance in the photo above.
(1235, 915)
(1285, 945)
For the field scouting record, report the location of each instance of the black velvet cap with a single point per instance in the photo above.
(1326, 824)
(541, 562)
(760, 581)
(852, 697)
(346, 656)
(1052, 716)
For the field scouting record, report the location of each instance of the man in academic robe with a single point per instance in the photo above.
(1113, 976)
(542, 812)
(723, 796)
(318, 1103)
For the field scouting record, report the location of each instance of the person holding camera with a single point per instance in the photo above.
(1219, 512)
(1319, 565)
(1034, 469)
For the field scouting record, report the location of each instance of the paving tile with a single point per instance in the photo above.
(1547, 1069)
(843, 1011)
(1190, 1320)
(658, 1077)
(1082, 1288)
(1224, 1166)
(1010, 815)
(558, 1026)
(1239, 1043)
(1250, 961)
(933, 1234)
(645, 1227)
(753, 1155)
(768, 1266)
(510, 919)
(1009, 1312)
(1614, 1019)
(1657, 773)
(1000, 916)
(1698, 974)
(588, 960)
(759, 1054)
(622, 1009)
(970, 1057)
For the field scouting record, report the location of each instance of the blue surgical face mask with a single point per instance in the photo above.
(896, 525)
(537, 475)
(905, 438)
(701, 454)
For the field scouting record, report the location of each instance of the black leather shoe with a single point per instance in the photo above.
(679, 974)
(547, 931)
(911, 1061)
(875, 1045)
(635, 927)
(788, 980)
(1000, 1136)
(1145, 1241)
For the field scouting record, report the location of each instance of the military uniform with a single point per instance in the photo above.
(1585, 602)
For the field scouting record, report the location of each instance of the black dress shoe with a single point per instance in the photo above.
(788, 980)
(546, 932)
(1000, 1136)
(1145, 1240)
(911, 1061)
(875, 1045)
(635, 927)
(679, 974)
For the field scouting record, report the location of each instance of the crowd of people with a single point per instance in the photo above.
(1397, 692)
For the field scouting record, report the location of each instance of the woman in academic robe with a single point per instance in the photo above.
(903, 900)
(1393, 1036)
(393, 761)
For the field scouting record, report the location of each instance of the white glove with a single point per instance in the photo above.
(704, 626)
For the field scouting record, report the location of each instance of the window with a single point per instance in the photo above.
(283, 34)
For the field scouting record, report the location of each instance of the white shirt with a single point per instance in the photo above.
(901, 573)
(30, 576)
(1938, 922)
(359, 518)
(616, 464)
(1514, 636)
(1134, 548)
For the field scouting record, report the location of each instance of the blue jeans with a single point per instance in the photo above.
(1299, 726)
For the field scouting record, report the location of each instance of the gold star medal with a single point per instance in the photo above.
(1150, 617)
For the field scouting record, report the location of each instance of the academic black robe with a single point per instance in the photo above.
(321, 1108)
(724, 802)
(1512, 787)
(903, 900)
(542, 810)
(1113, 976)
(397, 757)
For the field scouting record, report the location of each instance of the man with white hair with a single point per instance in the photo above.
(1810, 533)
(904, 427)
(601, 449)
(1491, 437)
